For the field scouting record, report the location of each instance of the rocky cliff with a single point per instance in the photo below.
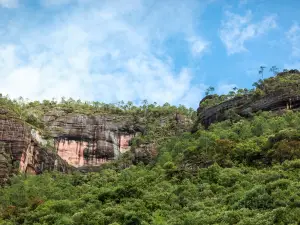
(273, 94)
(90, 140)
(79, 139)
(22, 149)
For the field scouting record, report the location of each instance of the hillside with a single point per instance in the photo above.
(234, 168)
(40, 136)
(272, 94)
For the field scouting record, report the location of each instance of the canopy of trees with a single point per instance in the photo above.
(236, 172)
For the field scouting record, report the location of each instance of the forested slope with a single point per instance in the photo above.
(241, 170)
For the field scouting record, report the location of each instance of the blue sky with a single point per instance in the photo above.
(162, 51)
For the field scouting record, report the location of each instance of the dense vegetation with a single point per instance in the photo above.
(32, 112)
(158, 121)
(234, 173)
(244, 171)
(143, 195)
(286, 81)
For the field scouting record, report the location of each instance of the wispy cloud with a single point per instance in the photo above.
(236, 30)
(293, 40)
(109, 52)
(225, 88)
(198, 46)
(9, 3)
(293, 36)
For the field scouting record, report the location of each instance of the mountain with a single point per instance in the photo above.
(272, 94)
(234, 161)
(37, 137)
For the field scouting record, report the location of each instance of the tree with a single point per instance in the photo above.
(261, 71)
(274, 70)
(255, 84)
(145, 103)
(231, 93)
(209, 90)
(241, 92)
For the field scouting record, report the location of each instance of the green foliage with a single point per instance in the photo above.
(283, 82)
(209, 90)
(33, 112)
(243, 171)
(140, 195)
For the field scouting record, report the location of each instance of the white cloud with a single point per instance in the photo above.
(236, 30)
(108, 52)
(9, 3)
(198, 46)
(293, 36)
(194, 95)
(293, 39)
(224, 88)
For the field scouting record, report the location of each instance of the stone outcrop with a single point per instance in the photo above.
(74, 139)
(21, 149)
(145, 153)
(92, 140)
(284, 96)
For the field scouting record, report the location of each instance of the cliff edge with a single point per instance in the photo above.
(281, 92)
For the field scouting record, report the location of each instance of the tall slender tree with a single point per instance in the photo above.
(261, 71)
(274, 70)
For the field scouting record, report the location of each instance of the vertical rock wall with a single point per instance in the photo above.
(21, 151)
(84, 140)
(93, 153)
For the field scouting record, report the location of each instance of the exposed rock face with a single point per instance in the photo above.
(84, 140)
(145, 153)
(36, 159)
(75, 139)
(20, 150)
(91, 140)
(285, 96)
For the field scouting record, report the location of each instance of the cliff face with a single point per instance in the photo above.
(21, 149)
(84, 140)
(77, 140)
(285, 95)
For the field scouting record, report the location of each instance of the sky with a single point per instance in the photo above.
(131, 50)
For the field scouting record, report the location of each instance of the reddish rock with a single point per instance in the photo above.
(20, 151)
(83, 153)
(84, 140)
(124, 142)
(73, 153)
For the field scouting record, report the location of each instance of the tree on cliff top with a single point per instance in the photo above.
(209, 90)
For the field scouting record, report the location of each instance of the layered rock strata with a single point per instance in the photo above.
(84, 140)
(21, 149)
(284, 96)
